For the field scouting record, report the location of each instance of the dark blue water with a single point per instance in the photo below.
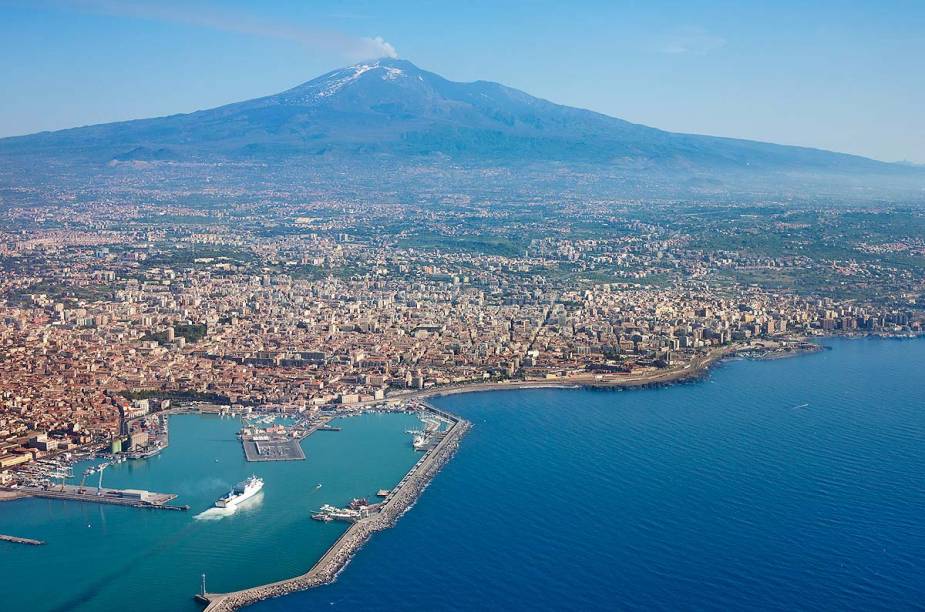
(791, 484)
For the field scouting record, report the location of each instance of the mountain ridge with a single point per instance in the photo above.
(391, 108)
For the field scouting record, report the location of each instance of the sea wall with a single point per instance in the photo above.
(340, 553)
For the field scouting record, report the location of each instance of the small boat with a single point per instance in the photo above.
(318, 486)
(357, 503)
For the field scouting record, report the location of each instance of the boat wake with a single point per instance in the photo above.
(215, 514)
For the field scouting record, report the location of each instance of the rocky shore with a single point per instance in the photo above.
(340, 553)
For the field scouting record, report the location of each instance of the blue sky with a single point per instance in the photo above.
(843, 75)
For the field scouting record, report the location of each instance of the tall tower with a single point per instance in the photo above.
(203, 587)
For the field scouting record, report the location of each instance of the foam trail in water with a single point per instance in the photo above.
(214, 514)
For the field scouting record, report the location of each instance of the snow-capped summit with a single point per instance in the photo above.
(332, 82)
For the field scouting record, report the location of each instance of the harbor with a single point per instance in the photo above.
(371, 519)
(203, 462)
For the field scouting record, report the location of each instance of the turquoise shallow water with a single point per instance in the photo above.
(784, 485)
(107, 557)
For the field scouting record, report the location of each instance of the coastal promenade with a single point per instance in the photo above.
(696, 368)
(339, 554)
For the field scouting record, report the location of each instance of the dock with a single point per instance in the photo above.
(134, 498)
(395, 503)
(280, 448)
(286, 449)
(17, 540)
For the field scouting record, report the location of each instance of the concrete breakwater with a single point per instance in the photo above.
(339, 554)
(18, 540)
(117, 497)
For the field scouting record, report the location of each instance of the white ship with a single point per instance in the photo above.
(242, 491)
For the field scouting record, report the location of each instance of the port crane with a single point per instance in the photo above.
(93, 470)
(99, 486)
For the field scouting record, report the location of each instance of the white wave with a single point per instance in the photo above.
(215, 514)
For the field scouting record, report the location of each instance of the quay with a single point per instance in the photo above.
(135, 498)
(16, 540)
(287, 449)
(267, 448)
(386, 513)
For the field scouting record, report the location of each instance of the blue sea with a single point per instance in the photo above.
(796, 484)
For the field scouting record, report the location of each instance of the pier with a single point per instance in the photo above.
(135, 498)
(287, 449)
(16, 540)
(283, 448)
(396, 503)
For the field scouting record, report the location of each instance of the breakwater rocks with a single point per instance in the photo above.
(339, 554)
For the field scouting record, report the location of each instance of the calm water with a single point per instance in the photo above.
(101, 558)
(792, 484)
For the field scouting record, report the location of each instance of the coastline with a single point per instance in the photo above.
(327, 568)
(697, 368)
(405, 494)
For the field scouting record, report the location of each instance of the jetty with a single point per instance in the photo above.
(17, 540)
(282, 447)
(135, 498)
(396, 503)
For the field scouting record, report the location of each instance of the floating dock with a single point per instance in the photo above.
(16, 540)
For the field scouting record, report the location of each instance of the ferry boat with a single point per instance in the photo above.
(241, 492)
